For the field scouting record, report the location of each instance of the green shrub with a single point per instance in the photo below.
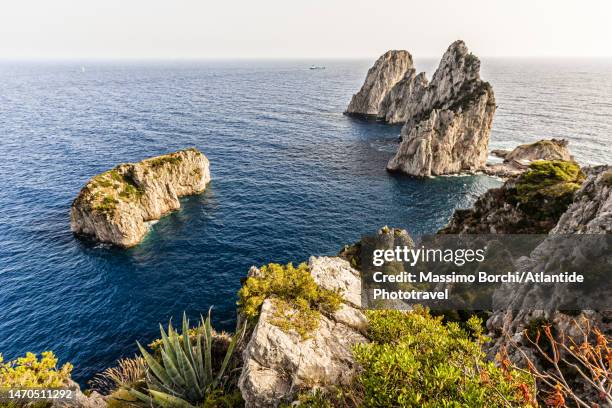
(545, 191)
(298, 297)
(549, 177)
(415, 360)
(352, 253)
(162, 160)
(30, 372)
(316, 399)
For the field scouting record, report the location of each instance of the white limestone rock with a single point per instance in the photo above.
(115, 206)
(387, 71)
(278, 364)
(448, 125)
(591, 211)
(403, 98)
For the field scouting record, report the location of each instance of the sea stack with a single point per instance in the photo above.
(115, 206)
(391, 68)
(448, 123)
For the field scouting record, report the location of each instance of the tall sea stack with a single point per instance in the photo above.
(447, 121)
(391, 68)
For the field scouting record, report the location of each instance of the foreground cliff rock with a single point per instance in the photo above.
(279, 363)
(589, 213)
(518, 160)
(115, 206)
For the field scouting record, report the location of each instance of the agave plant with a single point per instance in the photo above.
(184, 375)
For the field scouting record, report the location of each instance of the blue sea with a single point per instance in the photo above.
(292, 177)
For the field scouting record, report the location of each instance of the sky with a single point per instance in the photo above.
(195, 29)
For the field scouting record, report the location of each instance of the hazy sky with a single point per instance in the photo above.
(307, 28)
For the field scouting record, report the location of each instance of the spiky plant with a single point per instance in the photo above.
(129, 372)
(184, 375)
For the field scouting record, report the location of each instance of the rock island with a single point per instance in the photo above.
(116, 206)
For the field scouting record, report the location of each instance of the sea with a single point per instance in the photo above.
(291, 177)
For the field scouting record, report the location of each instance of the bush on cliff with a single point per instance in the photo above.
(298, 298)
(547, 188)
(31, 372)
(415, 360)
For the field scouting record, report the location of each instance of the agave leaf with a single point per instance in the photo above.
(176, 346)
(187, 341)
(142, 397)
(199, 362)
(157, 385)
(185, 358)
(166, 343)
(172, 370)
(157, 369)
(208, 347)
(228, 356)
(191, 380)
(169, 401)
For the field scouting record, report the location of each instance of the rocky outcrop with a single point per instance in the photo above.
(116, 206)
(590, 213)
(448, 123)
(80, 400)
(517, 161)
(530, 203)
(387, 71)
(277, 364)
(385, 238)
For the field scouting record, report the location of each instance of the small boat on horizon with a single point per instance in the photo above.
(317, 67)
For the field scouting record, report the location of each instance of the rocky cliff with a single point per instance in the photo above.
(589, 213)
(448, 123)
(530, 203)
(279, 363)
(391, 68)
(115, 206)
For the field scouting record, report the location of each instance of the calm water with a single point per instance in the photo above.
(291, 177)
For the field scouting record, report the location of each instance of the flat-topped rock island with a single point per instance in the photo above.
(116, 206)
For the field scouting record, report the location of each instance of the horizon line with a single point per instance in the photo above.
(269, 58)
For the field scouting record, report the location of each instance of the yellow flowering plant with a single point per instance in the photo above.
(32, 372)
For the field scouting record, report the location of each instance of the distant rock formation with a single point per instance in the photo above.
(447, 123)
(115, 206)
(392, 67)
(277, 364)
(517, 161)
